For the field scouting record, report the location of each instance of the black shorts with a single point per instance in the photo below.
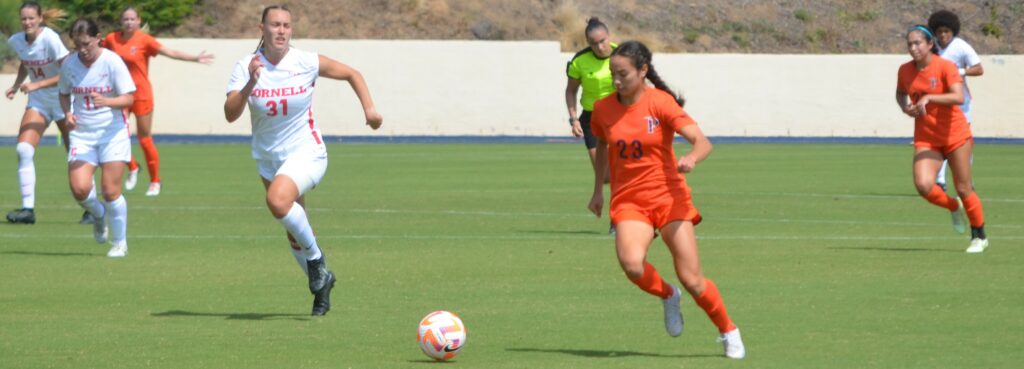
(588, 134)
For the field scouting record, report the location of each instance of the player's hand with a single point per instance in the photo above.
(255, 65)
(204, 58)
(373, 118)
(71, 121)
(686, 164)
(577, 130)
(99, 101)
(909, 110)
(596, 203)
(920, 106)
(10, 93)
(28, 87)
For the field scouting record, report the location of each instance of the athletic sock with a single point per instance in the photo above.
(27, 174)
(117, 212)
(132, 164)
(298, 226)
(92, 205)
(652, 283)
(714, 307)
(978, 232)
(972, 205)
(299, 254)
(152, 158)
(939, 197)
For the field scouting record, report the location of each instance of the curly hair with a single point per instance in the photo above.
(945, 18)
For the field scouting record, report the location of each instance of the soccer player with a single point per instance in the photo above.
(95, 87)
(136, 48)
(930, 90)
(277, 85)
(946, 26)
(40, 50)
(634, 128)
(589, 69)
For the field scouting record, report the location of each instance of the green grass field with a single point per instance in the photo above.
(825, 256)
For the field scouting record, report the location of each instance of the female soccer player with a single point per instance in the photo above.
(589, 69)
(946, 25)
(40, 50)
(935, 92)
(136, 48)
(94, 89)
(636, 125)
(277, 85)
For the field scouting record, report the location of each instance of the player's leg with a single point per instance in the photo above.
(80, 179)
(682, 244)
(114, 204)
(960, 165)
(632, 241)
(145, 132)
(33, 123)
(940, 179)
(926, 165)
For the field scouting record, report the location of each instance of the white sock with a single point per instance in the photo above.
(117, 215)
(92, 205)
(941, 177)
(27, 174)
(300, 257)
(298, 225)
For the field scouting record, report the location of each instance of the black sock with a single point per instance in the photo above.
(978, 232)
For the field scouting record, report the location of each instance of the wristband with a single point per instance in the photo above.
(963, 72)
(572, 120)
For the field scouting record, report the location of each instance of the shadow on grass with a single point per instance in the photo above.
(231, 316)
(896, 249)
(605, 353)
(51, 253)
(431, 362)
(549, 231)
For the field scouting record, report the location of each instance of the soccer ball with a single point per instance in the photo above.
(441, 335)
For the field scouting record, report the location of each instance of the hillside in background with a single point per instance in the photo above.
(699, 26)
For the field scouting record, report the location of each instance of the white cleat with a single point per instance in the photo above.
(733, 344)
(959, 218)
(100, 230)
(118, 250)
(133, 179)
(154, 189)
(673, 316)
(977, 245)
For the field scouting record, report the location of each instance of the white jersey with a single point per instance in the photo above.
(40, 58)
(963, 55)
(281, 105)
(108, 76)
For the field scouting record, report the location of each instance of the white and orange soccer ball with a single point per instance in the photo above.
(441, 335)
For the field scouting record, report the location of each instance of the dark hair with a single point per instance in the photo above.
(132, 8)
(640, 55)
(85, 26)
(594, 24)
(264, 19)
(929, 35)
(945, 18)
(33, 5)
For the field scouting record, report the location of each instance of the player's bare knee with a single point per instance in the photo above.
(80, 193)
(693, 282)
(634, 269)
(278, 205)
(924, 185)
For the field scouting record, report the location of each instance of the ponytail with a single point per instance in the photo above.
(53, 16)
(640, 55)
(661, 85)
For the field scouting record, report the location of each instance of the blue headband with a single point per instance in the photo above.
(922, 29)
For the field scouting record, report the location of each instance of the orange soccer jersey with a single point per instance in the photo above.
(943, 126)
(135, 52)
(644, 178)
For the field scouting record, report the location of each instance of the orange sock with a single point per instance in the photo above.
(972, 205)
(652, 283)
(132, 164)
(711, 302)
(152, 158)
(939, 197)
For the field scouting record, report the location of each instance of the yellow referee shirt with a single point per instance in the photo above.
(594, 75)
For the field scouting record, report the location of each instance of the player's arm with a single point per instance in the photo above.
(600, 168)
(202, 57)
(118, 102)
(65, 106)
(955, 96)
(37, 85)
(974, 70)
(333, 69)
(572, 87)
(22, 73)
(700, 148)
(903, 100)
(234, 105)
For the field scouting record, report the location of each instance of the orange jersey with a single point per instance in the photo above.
(943, 125)
(640, 154)
(135, 52)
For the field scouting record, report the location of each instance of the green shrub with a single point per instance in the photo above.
(160, 15)
(803, 15)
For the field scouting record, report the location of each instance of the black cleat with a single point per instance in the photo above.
(23, 215)
(322, 298)
(87, 218)
(321, 281)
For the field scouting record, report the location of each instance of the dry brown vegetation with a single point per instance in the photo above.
(726, 26)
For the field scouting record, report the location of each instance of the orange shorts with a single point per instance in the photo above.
(944, 149)
(141, 107)
(663, 212)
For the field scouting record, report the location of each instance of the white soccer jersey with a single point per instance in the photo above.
(40, 58)
(108, 76)
(281, 105)
(963, 55)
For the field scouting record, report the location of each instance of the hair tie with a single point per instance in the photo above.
(924, 29)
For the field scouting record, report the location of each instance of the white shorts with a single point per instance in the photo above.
(45, 105)
(305, 171)
(96, 152)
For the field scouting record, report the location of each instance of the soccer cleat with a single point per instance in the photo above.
(23, 215)
(959, 218)
(673, 316)
(132, 180)
(611, 229)
(100, 230)
(733, 344)
(977, 245)
(154, 189)
(321, 282)
(942, 185)
(87, 218)
(118, 251)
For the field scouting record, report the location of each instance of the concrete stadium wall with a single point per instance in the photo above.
(447, 88)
